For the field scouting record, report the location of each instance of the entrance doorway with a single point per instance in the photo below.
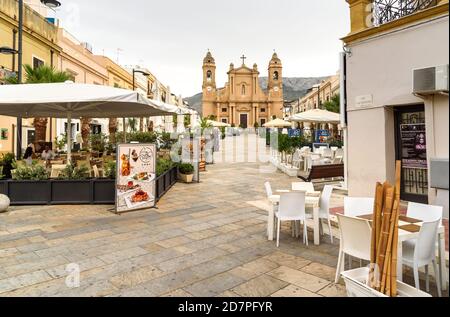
(243, 119)
(411, 149)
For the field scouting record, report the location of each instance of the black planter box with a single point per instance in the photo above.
(59, 192)
(165, 182)
(74, 192)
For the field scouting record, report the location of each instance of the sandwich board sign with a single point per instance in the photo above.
(135, 177)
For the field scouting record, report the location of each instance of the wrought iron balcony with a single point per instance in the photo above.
(385, 11)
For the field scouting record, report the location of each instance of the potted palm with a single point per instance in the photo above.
(186, 172)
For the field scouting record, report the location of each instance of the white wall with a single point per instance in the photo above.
(382, 67)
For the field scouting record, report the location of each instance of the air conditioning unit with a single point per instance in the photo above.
(431, 80)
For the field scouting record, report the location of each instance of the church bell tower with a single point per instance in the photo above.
(275, 86)
(209, 84)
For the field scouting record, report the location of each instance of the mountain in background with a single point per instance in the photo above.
(294, 88)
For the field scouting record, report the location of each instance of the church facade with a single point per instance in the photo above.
(242, 102)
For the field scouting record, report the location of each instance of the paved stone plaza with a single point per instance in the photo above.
(206, 239)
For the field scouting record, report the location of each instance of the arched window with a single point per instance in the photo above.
(275, 75)
(243, 90)
(208, 75)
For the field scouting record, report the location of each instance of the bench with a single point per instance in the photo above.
(324, 171)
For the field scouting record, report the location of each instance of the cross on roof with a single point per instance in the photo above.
(243, 59)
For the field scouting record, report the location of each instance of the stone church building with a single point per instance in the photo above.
(242, 101)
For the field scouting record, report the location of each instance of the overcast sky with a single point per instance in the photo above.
(171, 37)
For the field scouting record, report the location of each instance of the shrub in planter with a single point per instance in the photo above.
(75, 173)
(186, 172)
(110, 169)
(6, 163)
(34, 173)
(162, 166)
(98, 142)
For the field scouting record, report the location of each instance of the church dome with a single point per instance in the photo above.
(275, 60)
(209, 59)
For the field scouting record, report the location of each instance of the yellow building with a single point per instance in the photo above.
(242, 101)
(319, 94)
(39, 47)
(78, 60)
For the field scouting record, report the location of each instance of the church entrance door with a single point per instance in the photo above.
(243, 120)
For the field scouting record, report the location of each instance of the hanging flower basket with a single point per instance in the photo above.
(356, 285)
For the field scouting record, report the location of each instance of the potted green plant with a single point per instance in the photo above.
(186, 172)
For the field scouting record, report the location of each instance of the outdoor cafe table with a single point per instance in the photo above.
(409, 229)
(310, 202)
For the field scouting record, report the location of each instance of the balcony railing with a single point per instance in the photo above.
(385, 11)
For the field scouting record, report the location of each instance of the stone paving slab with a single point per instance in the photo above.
(205, 239)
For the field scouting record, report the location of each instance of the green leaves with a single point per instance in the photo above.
(34, 173)
(75, 173)
(162, 166)
(334, 104)
(186, 168)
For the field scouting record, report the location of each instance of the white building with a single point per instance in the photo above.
(386, 120)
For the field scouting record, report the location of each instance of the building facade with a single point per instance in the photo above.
(242, 102)
(386, 120)
(78, 60)
(319, 94)
(40, 47)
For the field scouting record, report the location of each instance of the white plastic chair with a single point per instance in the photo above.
(338, 160)
(269, 191)
(422, 252)
(324, 212)
(427, 213)
(357, 206)
(292, 208)
(356, 238)
(301, 186)
(314, 159)
(339, 152)
(327, 153)
(297, 159)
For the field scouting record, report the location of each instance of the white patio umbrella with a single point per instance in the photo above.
(70, 100)
(317, 116)
(277, 123)
(217, 124)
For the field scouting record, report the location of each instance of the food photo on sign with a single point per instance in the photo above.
(136, 176)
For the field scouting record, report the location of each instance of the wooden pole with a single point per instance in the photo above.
(398, 176)
(376, 226)
(384, 236)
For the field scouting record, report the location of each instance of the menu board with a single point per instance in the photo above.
(135, 177)
(414, 146)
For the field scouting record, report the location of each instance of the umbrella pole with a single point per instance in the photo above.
(69, 138)
(124, 123)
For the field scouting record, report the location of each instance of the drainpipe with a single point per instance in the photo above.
(343, 111)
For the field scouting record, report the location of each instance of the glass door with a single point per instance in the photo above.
(411, 147)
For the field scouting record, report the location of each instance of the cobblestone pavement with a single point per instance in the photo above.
(206, 239)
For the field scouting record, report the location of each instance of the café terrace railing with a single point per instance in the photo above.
(385, 11)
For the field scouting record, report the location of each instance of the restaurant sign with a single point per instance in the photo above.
(135, 177)
(414, 146)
